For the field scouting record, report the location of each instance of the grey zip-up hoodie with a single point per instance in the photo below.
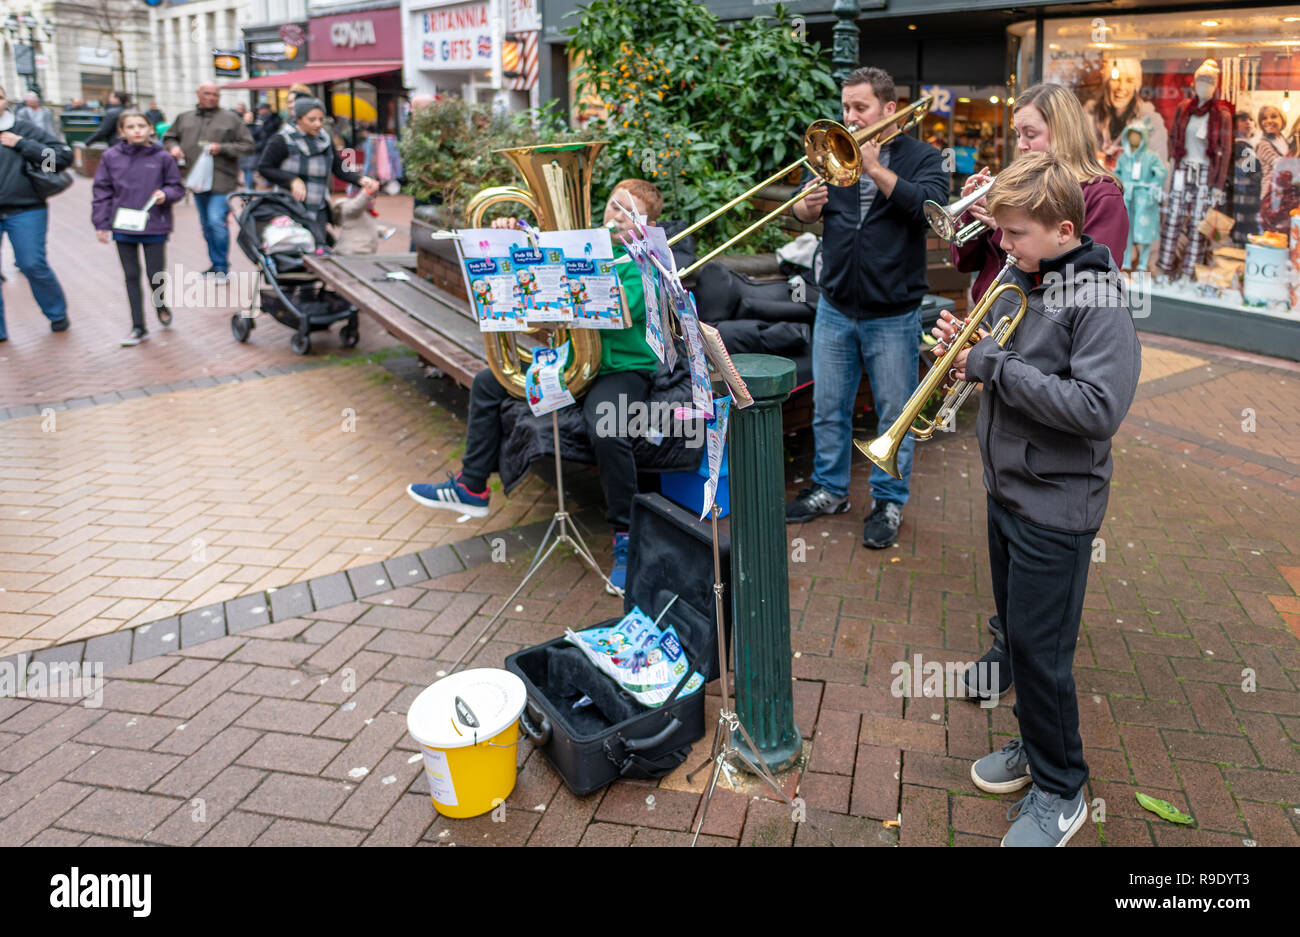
(1053, 400)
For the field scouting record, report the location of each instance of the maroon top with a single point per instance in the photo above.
(1105, 220)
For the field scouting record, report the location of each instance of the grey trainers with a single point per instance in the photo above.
(1003, 771)
(881, 527)
(815, 501)
(1043, 819)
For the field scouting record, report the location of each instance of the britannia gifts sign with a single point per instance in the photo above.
(456, 38)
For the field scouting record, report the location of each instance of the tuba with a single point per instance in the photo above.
(557, 190)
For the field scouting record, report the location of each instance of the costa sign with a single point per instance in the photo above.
(348, 34)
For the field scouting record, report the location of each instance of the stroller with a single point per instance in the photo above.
(292, 295)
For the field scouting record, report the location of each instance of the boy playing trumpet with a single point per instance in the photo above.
(1052, 401)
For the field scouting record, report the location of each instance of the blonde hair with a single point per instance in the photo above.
(1041, 185)
(1073, 140)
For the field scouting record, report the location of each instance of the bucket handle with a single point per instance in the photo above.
(540, 734)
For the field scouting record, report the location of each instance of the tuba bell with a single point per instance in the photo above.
(557, 190)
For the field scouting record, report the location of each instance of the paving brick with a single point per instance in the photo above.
(370, 698)
(124, 768)
(186, 672)
(159, 637)
(111, 650)
(378, 793)
(236, 829)
(206, 762)
(50, 735)
(835, 744)
(122, 814)
(862, 699)
(484, 831)
(47, 807)
(273, 653)
(286, 716)
(303, 798)
(405, 570)
(1208, 797)
(126, 730)
(331, 590)
(1269, 741)
(216, 649)
(18, 789)
(337, 652)
(1200, 746)
(276, 681)
(131, 696)
(1144, 712)
(294, 833)
(912, 736)
(26, 715)
(440, 561)
(642, 805)
(206, 689)
(826, 791)
(298, 754)
(925, 817)
(369, 580)
(290, 601)
(768, 823)
(368, 748)
(876, 782)
(1269, 825)
(608, 835)
(247, 612)
(200, 815)
(1279, 787)
(401, 619)
(206, 724)
(202, 624)
(404, 824)
(408, 644)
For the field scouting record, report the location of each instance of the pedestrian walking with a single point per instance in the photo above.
(220, 132)
(40, 115)
(154, 115)
(106, 132)
(25, 148)
(300, 159)
(138, 173)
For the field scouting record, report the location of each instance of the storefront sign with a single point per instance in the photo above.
(356, 37)
(944, 99)
(227, 64)
(458, 37)
(521, 16)
(89, 55)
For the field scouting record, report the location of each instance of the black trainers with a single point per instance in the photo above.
(815, 501)
(881, 528)
(990, 678)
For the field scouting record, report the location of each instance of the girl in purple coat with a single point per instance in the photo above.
(131, 174)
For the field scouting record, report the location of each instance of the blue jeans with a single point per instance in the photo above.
(842, 347)
(26, 230)
(212, 216)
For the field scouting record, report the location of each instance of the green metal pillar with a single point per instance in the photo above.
(760, 579)
(844, 39)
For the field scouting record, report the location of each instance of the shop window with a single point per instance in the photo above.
(1198, 114)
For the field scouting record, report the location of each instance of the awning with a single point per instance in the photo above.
(315, 75)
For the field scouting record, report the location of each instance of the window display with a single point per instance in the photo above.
(1194, 114)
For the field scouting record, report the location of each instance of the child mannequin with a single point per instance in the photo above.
(1143, 175)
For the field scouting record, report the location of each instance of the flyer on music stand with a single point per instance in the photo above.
(490, 277)
(544, 380)
(715, 435)
(594, 288)
(543, 284)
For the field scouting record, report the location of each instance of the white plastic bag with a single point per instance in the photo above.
(283, 235)
(200, 177)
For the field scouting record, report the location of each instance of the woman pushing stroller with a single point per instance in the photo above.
(300, 159)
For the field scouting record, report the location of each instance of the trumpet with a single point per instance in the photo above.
(883, 450)
(945, 221)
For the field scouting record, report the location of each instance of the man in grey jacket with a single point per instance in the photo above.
(213, 129)
(32, 110)
(1052, 401)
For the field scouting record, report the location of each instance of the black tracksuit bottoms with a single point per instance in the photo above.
(614, 457)
(1039, 579)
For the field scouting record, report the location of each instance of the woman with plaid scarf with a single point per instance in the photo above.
(300, 159)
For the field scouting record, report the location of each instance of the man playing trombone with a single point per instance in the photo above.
(869, 316)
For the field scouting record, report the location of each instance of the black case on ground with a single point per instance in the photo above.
(671, 554)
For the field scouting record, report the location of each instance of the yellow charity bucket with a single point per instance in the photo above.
(467, 725)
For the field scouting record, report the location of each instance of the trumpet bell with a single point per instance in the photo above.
(941, 223)
(832, 152)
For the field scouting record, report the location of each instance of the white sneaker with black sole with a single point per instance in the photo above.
(135, 338)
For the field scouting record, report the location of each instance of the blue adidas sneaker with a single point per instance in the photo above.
(452, 495)
(618, 572)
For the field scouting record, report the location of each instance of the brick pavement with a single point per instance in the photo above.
(1187, 667)
(37, 366)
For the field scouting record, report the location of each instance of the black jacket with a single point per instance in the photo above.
(877, 269)
(1053, 399)
(16, 192)
(106, 132)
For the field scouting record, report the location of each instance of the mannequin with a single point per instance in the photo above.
(1143, 175)
(1201, 141)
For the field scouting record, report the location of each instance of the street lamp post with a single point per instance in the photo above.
(22, 30)
(844, 37)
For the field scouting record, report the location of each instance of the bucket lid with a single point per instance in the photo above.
(466, 708)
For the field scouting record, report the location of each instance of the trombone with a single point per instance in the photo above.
(832, 151)
(945, 221)
(883, 450)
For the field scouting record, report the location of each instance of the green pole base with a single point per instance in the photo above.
(777, 758)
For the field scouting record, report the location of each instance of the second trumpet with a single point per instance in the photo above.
(945, 220)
